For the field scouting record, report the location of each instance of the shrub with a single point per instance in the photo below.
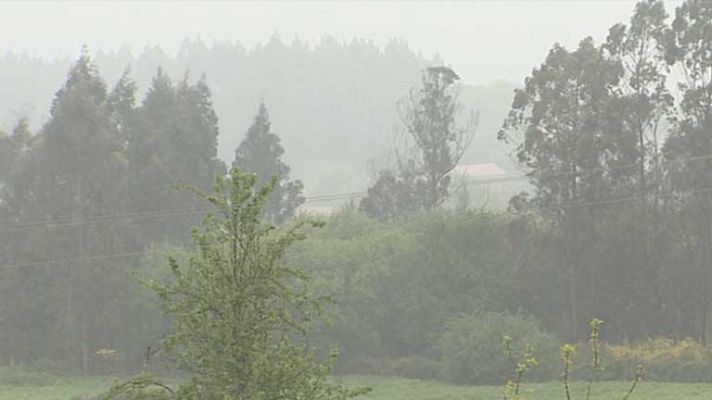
(660, 349)
(664, 360)
(141, 387)
(472, 350)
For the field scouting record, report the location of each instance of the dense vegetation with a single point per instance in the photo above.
(615, 140)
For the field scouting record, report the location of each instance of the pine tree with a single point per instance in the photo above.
(78, 170)
(174, 142)
(261, 153)
(16, 301)
(122, 105)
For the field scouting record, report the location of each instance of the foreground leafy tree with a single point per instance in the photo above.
(240, 315)
(261, 153)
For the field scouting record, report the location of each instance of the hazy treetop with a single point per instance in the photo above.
(484, 40)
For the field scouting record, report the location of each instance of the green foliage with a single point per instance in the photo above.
(83, 199)
(138, 315)
(393, 195)
(554, 121)
(664, 360)
(473, 352)
(589, 129)
(142, 387)
(394, 286)
(618, 225)
(687, 151)
(240, 315)
(173, 140)
(568, 352)
(523, 364)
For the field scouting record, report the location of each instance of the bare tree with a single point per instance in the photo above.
(430, 116)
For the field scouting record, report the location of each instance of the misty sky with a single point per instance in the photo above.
(482, 40)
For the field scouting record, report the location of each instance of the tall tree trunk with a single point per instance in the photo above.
(573, 304)
(85, 344)
(69, 312)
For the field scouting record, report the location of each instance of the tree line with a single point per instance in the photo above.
(615, 140)
(84, 197)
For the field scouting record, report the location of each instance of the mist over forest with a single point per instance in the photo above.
(323, 97)
(342, 219)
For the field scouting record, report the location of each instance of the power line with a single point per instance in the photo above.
(140, 253)
(145, 214)
(104, 218)
(309, 199)
(86, 258)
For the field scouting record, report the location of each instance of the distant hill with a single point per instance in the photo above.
(333, 104)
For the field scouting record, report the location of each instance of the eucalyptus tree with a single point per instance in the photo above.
(640, 48)
(689, 148)
(566, 124)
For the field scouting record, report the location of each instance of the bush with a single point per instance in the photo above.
(141, 387)
(473, 353)
(664, 360)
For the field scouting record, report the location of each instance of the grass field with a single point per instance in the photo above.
(407, 389)
(385, 389)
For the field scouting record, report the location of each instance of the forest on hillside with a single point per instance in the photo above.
(338, 95)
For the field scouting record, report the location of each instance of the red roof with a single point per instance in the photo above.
(479, 170)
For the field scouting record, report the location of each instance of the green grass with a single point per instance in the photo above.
(410, 389)
(388, 389)
(55, 389)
